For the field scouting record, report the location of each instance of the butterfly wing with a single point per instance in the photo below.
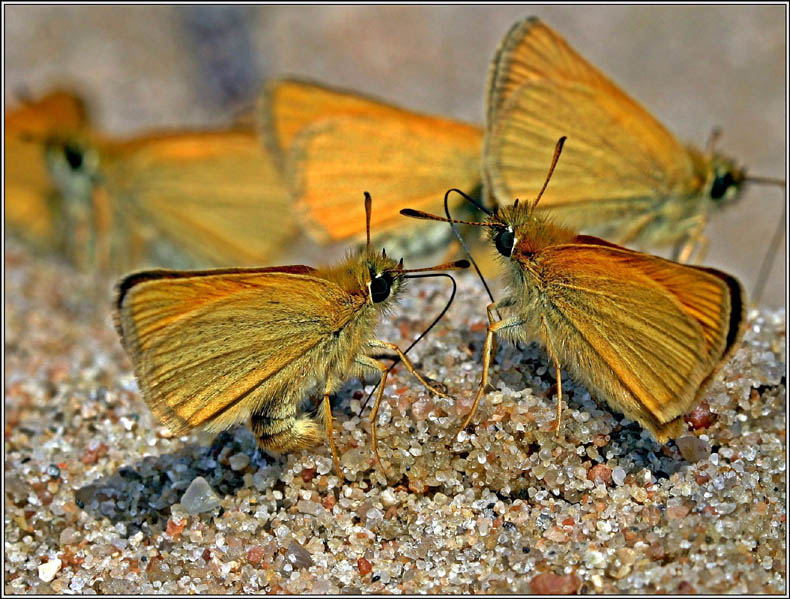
(408, 161)
(213, 196)
(646, 334)
(211, 347)
(334, 144)
(287, 106)
(58, 110)
(532, 51)
(619, 162)
(615, 163)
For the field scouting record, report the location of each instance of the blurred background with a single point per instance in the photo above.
(143, 67)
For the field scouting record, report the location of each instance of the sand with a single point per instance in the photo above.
(95, 487)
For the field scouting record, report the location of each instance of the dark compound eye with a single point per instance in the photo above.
(73, 156)
(504, 242)
(721, 184)
(380, 288)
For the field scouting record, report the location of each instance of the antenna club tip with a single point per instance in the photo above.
(409, 212)
(462, 264)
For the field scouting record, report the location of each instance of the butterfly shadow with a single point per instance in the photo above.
(140, 495)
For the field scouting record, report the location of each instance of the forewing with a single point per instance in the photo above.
(209, 348)
(660, 327)
(287, 106)
(215, 196)
(408, 161)
(58, 111)
(532, 51)
(617, 158)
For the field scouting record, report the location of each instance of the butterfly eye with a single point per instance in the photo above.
(721, 184)
(380, 288)
(504, 242)
(73, 155)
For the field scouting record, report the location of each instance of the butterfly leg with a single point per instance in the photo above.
(696, 242)
(553, 356)
(375, 364)
(493, 329)
(490, 309)
(326, 414)
(407, 363)
(636, 230)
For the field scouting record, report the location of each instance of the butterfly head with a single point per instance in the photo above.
(725, 180)
(74, 166)
(520, 231)
(382, 277)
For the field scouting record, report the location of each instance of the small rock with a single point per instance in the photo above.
(388, 498)
(556, 534)
(175, 527)
(239, 461)
(91, 456)
(69, 536)
(656, 551)
(685, 588)
(600, 473)
(46, 572)
(199, 497)
(594, 559)
(693, 449)
(601, 440)
(309, 507)
(420, 409)
(651, 515)
(549, 583)
(618, 476)
(626, 555)
(255, 554)
(364, 566)
(298, 556)
(676, 512)
(620, 567)
(701, 416)
(373, 517)
(308, 474)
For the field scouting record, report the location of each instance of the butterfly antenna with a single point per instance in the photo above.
(768, 260)
(469, 199)
(422, 335)
(461, 238)
(713, 139)
(767, 181)
(368, 207)
(557, 152)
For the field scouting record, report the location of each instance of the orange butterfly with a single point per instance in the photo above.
(623, 175)
(217, 347)
(644, 334)
(178, 198)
